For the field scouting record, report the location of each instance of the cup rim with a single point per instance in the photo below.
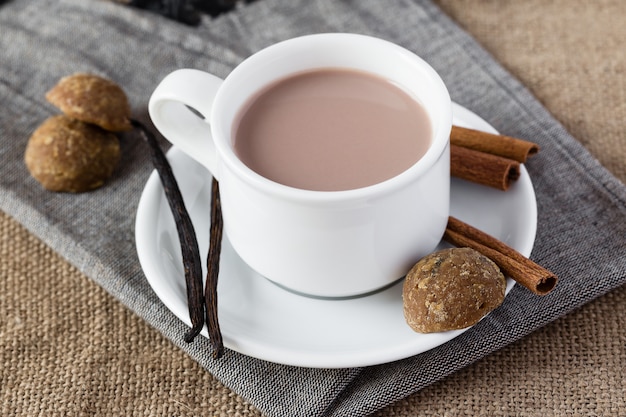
(226, 152)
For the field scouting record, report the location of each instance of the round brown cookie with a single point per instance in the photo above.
(92, 99)
(68, 155)
(451, 289)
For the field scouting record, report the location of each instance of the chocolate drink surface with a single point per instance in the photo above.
(331, 130)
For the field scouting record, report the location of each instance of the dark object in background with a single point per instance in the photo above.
(187, 11)
(179, 10)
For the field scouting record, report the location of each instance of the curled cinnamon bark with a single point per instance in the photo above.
(505, 146)
(483, 168)
(512, 263)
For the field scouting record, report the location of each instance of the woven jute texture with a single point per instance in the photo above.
(68, 348)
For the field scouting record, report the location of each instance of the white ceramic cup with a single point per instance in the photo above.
(328, 244)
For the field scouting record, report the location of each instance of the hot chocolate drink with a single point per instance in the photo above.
(331, 130)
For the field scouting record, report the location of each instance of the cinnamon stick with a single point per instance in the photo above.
(512, 263)
(483, 168)
(505, 146)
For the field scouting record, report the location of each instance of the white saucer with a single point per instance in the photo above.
(262, 320)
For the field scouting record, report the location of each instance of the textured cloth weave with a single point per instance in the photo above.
(581, 206)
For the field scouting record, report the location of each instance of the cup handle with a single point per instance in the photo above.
(169, 109)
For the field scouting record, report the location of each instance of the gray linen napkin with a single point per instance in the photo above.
(582, 208)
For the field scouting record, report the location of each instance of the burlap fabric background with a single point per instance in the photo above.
(569, 53)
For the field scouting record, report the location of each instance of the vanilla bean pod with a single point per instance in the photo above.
(213, 266)
(189, 245)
